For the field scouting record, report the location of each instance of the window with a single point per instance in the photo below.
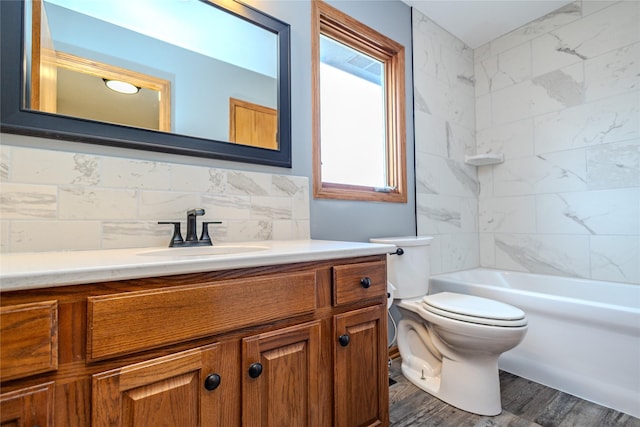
(358, 110)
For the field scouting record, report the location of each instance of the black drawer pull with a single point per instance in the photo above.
(212, 382)
(344, 340)
(255, 370)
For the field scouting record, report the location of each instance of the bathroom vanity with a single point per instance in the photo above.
(291, 333)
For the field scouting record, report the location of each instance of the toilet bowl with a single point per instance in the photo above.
(449, 343)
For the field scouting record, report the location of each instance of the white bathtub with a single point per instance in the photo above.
(583, 338)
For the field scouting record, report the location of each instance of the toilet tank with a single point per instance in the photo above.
(408, 272)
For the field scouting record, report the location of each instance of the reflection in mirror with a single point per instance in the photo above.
(80, 83)
(163, 48)
(253, 124)
(192, 62)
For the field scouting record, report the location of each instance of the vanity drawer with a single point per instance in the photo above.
(28, 339)
(140, 320)
(355, 282)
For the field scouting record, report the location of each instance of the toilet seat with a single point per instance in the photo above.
(469, 308)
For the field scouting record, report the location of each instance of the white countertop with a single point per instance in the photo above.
(31, 270)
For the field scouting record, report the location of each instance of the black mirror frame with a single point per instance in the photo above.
(15, 119)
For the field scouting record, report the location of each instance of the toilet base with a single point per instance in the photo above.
(473, 386)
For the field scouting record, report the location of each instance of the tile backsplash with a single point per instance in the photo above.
(55, 200)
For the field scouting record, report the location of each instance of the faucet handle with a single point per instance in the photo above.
(204, 237)
(176, 239)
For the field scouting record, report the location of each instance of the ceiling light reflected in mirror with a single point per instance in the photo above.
(121, 87)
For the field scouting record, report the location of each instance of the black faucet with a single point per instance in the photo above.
(192, 237)
(191, 224)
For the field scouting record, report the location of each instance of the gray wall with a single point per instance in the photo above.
(335, 219)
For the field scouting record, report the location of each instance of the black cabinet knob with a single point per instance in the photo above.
(255, 370)
(365, 282)
(344, 340)
(212, 382)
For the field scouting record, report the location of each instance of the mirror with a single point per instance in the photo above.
(208, 78)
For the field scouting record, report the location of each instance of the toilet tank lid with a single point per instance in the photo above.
(404, 241)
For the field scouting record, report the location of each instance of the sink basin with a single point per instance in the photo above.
(203, 251)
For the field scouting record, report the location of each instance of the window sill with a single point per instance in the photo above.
(367, 194)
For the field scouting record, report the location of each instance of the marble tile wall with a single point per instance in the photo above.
(54, 200)
(444, 114)
(560, 99)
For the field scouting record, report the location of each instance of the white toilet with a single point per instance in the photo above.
(449, 343)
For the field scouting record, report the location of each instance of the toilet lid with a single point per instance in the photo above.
(474, 309)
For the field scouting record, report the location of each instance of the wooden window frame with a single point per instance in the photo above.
(331, 22)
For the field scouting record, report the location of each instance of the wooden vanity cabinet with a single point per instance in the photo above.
(360, 391)
(280, 385)
(245, 347)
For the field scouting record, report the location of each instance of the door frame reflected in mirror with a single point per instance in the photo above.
(105, 72)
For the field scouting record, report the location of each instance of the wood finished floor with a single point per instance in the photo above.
(524, 404)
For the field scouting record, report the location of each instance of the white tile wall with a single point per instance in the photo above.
(445, 116)
(560, 98)
(564, 255)
(537, 28)
(609, 120)
(567, 198)
(614, 165)
(612, 73)
(614, 257)
(513, 139)
(54, 200)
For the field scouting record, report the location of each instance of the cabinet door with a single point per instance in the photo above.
(32, 406)
(361, 381)
(175, 390)
(281, 379)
